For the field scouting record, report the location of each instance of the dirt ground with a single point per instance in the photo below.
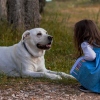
(46, 91)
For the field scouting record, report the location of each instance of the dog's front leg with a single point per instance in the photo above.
(60, 73)
(40, 74)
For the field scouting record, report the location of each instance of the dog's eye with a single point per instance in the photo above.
(39, 34)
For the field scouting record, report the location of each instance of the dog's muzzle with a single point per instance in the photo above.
(47, 46)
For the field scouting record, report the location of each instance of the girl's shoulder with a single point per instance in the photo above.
(85, 44)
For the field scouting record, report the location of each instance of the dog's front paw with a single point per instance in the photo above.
(66, 75)
(55, 77)
(58, 77)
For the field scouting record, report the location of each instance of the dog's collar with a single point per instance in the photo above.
(26, 48)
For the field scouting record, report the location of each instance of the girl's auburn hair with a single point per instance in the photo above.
(86, 30)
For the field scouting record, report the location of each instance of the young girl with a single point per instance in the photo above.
(87, 68)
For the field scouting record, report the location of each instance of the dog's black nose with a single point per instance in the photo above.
(50, 38)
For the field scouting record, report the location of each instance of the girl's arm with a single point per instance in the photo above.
(89, 54)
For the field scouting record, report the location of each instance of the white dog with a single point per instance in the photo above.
(27, 57)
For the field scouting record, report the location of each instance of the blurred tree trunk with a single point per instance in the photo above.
(23, 13)
(41, 5)
(3, 10)
(14, 12)
(31, 13)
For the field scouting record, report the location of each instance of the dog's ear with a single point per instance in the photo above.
(25, 35)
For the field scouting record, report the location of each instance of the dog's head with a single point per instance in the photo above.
(37, 39)
(43, 40)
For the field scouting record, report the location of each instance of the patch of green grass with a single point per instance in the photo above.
(58, 57)
(9, 36)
